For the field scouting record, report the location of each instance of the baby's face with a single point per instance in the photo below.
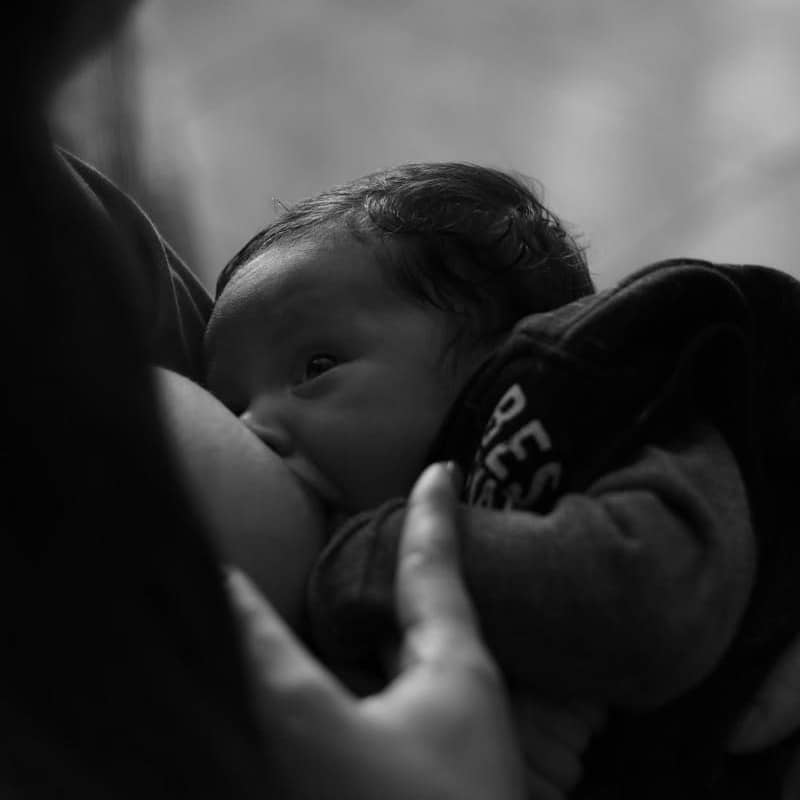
(332, 368)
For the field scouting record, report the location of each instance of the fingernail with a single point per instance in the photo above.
(456, 477)
(229, 573)
(238, 586)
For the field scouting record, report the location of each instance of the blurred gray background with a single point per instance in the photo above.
(657, 129)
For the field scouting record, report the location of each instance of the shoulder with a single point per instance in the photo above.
(173, 304)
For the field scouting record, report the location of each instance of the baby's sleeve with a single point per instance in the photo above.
(630, 591)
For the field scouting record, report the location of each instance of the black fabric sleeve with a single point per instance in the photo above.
(629, 592)
(173, 304)
(121, 671)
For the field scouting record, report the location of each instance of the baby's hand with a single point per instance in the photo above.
(553, 739)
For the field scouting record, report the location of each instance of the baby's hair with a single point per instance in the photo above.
(466, 239)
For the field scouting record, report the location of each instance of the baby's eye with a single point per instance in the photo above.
(317, 364)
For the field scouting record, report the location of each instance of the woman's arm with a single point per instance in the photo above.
(258, 515)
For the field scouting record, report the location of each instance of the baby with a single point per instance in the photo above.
(441, 311)
(343, 335)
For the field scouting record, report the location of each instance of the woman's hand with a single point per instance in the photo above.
(774, 715)
(441, 730)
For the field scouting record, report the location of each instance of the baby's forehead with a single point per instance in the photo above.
(283, 264)
(312, 269)
(286, 281)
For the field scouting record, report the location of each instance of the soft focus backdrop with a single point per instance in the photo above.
(657, 129)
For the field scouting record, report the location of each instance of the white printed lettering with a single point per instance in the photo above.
(486, 496)
(494, 463)
(509, 405)
(533, 430)
(547, 476)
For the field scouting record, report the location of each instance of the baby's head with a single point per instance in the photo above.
(344, 331)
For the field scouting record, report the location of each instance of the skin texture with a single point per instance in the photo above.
(339, 373)
(257, 513)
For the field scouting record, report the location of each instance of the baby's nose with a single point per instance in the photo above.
(269, 431)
